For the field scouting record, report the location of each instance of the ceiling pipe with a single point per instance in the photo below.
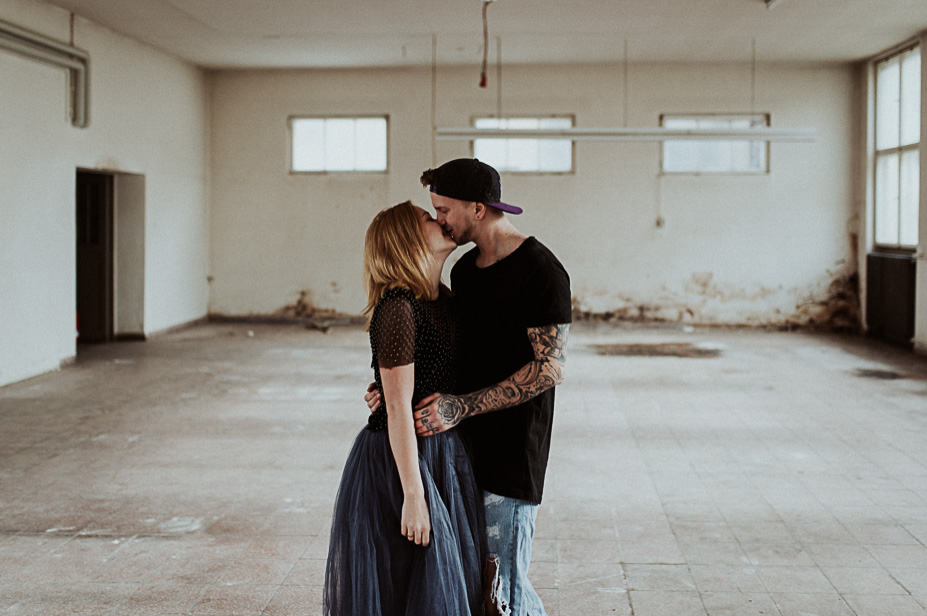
(49, 51)
(630, 134)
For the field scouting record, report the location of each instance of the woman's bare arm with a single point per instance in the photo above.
(398, 385)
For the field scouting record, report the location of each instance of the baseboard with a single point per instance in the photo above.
(135, 337)
(176, 328)
(315, 322)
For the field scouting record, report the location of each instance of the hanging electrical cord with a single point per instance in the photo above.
(434, 100)
(483, 81)
(499, 77)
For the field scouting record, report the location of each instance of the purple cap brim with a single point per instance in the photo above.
(505, 207)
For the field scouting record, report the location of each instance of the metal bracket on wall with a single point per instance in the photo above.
(49, 51)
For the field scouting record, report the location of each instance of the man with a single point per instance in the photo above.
(514, 298)
(515, 303)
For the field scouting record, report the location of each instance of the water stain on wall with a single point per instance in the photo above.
(838, 310)
(304, 307)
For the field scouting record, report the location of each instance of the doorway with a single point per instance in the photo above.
(94, 213)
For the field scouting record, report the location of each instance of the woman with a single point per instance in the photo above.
(407, 532)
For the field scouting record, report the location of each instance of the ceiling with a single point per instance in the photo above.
(375, 33)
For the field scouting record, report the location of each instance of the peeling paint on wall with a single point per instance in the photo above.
(703, 283)
(304, 307)
(634, 312)
(838, 309)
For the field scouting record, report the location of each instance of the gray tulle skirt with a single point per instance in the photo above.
(372, 568)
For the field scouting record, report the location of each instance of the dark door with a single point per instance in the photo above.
(94, 257)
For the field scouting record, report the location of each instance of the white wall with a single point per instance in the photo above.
(761, 249)
(920, 309)
(148, 115)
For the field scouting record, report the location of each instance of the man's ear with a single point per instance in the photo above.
(480, 210)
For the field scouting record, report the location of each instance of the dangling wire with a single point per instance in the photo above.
(499, 77)
(753, 79)
(483, 80)
(434, 99)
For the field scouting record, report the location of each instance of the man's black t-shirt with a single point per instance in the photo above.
(528, 288)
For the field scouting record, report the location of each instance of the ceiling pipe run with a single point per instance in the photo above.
(630, 134)
(49, 51)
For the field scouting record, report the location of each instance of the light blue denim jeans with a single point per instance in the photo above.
(509, 533)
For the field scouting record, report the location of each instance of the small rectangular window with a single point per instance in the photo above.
(525, 155)
(715, 155)
(897, 153)
(338, 144)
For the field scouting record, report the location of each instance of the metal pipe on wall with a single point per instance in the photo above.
(629, 134)
(49, 51)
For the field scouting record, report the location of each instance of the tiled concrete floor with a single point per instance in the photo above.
(194, 474)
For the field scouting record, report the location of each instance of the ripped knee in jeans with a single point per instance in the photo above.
(492, 589)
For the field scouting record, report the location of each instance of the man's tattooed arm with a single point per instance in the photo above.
(442, 412)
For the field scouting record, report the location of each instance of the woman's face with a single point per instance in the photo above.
(439, 242)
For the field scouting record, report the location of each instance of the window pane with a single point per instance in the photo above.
(520, 123)
(555, 155)
(339, 144)
(370, 144)
(555, 123)
(681, 123)
(910, 170)
(525, 155)
(886, 199)
(714, 155)
(888, 75)
(522, 155)
(743, 156)
(681, 155)
(491, 152)
(308, 145)
(911, 98)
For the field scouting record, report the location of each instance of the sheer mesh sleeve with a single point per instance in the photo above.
(392, 331)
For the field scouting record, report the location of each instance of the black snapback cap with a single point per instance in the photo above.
(468, 179)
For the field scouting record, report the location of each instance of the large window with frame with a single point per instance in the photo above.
(738, 156)
(338, 144)
(525, 155)
(897, 158)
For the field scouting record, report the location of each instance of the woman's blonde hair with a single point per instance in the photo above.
(396, 255)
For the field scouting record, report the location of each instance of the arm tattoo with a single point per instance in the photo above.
(542, 373)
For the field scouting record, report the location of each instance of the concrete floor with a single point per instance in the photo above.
(195, 474)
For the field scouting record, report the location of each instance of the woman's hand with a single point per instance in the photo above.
(416, 524)
(373, 397)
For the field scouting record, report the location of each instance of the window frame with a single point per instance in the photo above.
(767, 118)
(571, 117)
(897, 151)
(369, 116)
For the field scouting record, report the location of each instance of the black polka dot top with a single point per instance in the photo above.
(405, 330)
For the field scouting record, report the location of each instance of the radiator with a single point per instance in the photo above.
(890, 296)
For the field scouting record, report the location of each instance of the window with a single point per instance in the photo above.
(897, 137)
(715, 155)
(338, 144)
(525, 155)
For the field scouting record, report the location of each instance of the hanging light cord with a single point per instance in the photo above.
(483, 80)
